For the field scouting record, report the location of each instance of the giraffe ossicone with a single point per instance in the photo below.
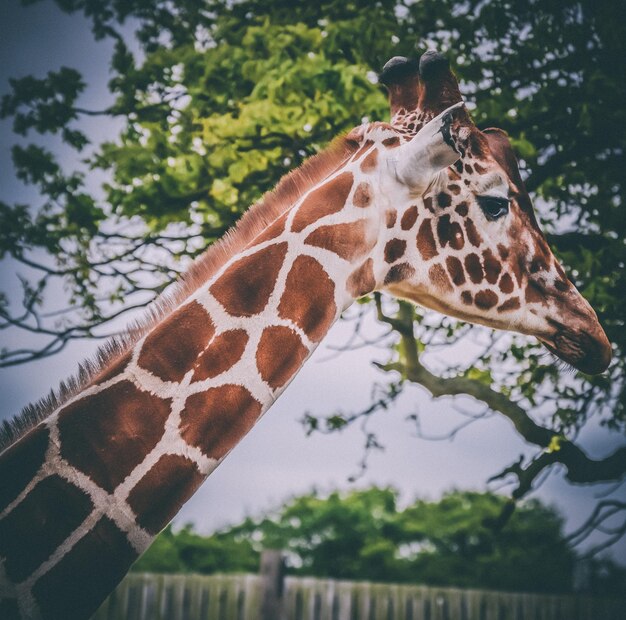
(427, 208)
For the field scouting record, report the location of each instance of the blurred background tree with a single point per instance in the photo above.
(364, 535)
(217, 100)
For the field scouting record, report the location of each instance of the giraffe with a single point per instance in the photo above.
(438, 216)
(481, 255)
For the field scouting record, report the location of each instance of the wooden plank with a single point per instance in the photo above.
(253, 597)
(344, 598)
(272, 576)
(240, 597)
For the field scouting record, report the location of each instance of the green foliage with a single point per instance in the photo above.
(223, 98)
(226, 98)
(529, 554)
(45, 105)
(365, 535)
(186, 551)
(253, 109)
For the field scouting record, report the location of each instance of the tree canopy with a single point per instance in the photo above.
(217, 100)
(365, 535)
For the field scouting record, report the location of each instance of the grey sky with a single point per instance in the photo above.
(276, 460)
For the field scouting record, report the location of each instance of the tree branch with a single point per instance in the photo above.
(555, 448)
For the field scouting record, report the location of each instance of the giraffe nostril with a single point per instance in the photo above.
(579, 342)
(588, 351)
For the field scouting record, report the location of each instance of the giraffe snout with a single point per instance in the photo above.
(584, 346)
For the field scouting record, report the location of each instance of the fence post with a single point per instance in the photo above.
(272, 584)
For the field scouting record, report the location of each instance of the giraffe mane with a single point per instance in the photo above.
(253, 222)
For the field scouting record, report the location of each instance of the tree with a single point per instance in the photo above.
(364, 535)
(223, 98)
(187, 551)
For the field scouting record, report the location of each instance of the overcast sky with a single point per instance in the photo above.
(276, 460)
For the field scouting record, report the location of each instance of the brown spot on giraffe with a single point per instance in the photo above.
(362, 195)
(275, 229)
(462, 209)
(449, 233)
(171, 349)
(217, 419)
(398, 273)
(224, 351)
(391, 143)
(455, 269)
(466, 298)
(428, 204)
(561, 285)
(309, 298)
(394, 249)
(426, 240)
(245, 287)
(485, 299)
(132, 422)
(492, 266)
(362, 280)
(325, 200)
(366, 146)
(517, 268)
(439, 278)
(91, 569)
(455, 189)
(537, 264)
(509, 304)
(279, 355)
(474, 268)
(480, 169)
(114, 369)
(503, 251)
(469, 169)
(444, 200)
(20, 462)
(26, 538)
(390, 217)
(473, 236)
(453, 174)
(534, 293)
(506, 283)
(409, 217)
(160, 494)
(349, 240)
(370, 162)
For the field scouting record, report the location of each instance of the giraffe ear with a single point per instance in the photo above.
(502, 150)
(439, 86)
(400, 76)
(431, 150)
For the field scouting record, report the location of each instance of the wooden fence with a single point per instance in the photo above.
(269, 596)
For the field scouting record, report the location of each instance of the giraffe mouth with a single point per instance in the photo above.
(587, 351)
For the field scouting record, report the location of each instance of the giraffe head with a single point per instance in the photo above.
(463, 238)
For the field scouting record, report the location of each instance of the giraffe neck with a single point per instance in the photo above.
(97, 480)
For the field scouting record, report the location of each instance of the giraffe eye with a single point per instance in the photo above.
(494, 207)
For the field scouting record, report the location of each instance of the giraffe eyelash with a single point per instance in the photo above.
(494, 207)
